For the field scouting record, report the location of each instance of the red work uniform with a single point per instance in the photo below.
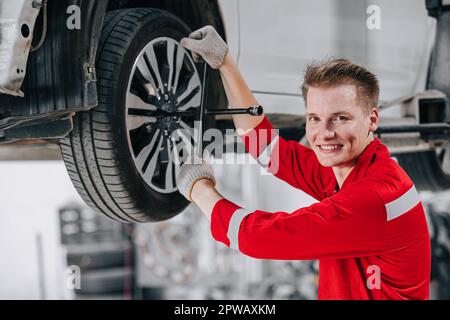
(371, 236)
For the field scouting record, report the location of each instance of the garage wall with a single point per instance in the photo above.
(31, 193)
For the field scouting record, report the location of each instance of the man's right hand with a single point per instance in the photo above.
(206, 43)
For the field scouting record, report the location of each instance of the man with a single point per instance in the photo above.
(368, 231)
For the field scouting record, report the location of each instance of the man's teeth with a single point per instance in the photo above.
(330, 147)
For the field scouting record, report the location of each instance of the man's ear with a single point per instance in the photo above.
(374, 119)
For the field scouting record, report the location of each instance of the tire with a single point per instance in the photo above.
(426, 169)
(111, 149)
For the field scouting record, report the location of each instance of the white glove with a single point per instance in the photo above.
(206, 43)
(191, 172)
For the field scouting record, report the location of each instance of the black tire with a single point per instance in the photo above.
(425, 169)
(97, 152)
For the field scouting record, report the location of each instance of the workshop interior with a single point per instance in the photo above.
(89, 202)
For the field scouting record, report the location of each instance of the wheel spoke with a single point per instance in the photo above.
(178, 64)
(171, 52)
(176, 155)
(144, 154)
(134, 122)
(190, 133)
(142, 112)
(144, 74)
(169, 170)
(150, 170)
(192, 90)
(193, 100)
(152, 64)
(138, 112)
(141, 86)
(135, 102)
(186, 128)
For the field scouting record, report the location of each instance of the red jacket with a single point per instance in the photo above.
(371, 236)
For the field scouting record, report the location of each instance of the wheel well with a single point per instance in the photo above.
(195, 13)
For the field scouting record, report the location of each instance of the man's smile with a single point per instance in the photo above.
(330, 148)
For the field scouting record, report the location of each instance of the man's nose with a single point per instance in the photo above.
(327, 131)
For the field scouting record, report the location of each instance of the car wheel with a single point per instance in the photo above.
(121, 154)
(430, 170)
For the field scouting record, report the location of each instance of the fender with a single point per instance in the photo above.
(60, 77)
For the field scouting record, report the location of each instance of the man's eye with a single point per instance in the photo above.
(340, 118)
(314, 119)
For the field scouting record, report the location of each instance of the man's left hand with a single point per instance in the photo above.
(192, 172)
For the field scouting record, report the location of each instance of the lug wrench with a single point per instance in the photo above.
(256, 110)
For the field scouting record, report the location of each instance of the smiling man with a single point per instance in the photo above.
(368, 229)
(336, 130)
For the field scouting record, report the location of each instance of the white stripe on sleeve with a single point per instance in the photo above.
(234, 225)
(402, 204)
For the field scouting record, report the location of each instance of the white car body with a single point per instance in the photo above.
(273, 42)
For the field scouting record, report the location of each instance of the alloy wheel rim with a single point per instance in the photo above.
(163, 97)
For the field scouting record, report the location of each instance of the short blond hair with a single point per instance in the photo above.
(337, 71)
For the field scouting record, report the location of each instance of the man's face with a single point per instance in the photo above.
(337, 127)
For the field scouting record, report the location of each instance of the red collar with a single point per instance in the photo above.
(374, 148)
